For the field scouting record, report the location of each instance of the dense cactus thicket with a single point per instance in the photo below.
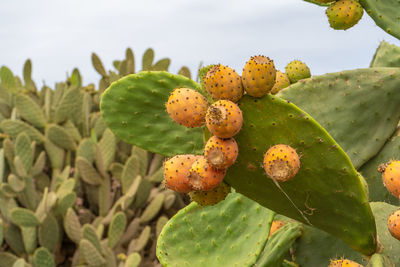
(71, 192)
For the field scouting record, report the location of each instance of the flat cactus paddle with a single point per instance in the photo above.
(134, 109)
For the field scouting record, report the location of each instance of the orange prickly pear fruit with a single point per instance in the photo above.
(258, 76)
(176, 172)
(275, 226)
(187, 107)
(224, 119)
(344, 14)
(221, 153)
(344, 263)
(222, 82)
(391, 177)
(281, 162)
(394, 224)
(212, 197)
(203, 177)
(282, 81)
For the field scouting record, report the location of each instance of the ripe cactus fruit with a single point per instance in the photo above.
(176, 171)
(281, 162)
(394, 224)
(203, 177)
(221, 153)
(222, 82)
(297, 70)
(258, 76)
(391, 177)
(282, 81)
(344, 14)
(212, 197)
(275, 226)
(344, 263)
(224, 119)
(187, 107)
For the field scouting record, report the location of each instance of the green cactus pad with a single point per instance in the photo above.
(230, 233)
(72, 226)
(377, 191)
(385, 13)
(7, 259)
(43, 258)
(91, 255)
(24, 217)
(351, 101)
(278, 245)
(30, 110)
(152, 209)
(140, 243)
(49, 233)
(89, 233)
(23, 150)
(134, 109)
(379, 260)
(133, 260)
(116, 229)
(327, 191)
(14, 127)
(320, 2)
(59, 136)
(386, 55)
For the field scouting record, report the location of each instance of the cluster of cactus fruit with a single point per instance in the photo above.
(71, 192)
(330, 180)
(202, 176)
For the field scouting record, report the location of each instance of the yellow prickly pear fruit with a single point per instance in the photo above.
(344, 263)
(212, 197)
(281, 162)
(281, 81)
(275, 226)
(224, 119)
(221, 153)
(222, 82)
(187, 107)
(297, 70)
(391, 177)
(394, 224)
(203, 177)
(176, 172)
(344, 14)
(258, 76)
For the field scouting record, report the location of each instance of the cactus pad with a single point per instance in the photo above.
(134, 109)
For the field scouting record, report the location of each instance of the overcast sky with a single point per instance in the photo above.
(60, 35)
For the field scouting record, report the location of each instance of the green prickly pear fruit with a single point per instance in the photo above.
(224, 119)
(187, 107)
(176, 172)
(212, 197)
(281, 162)
(344, 263)
(297, 70)
(282, 81)
(275, 226)
(394, 224)
(221, 153)
(222, 82)
(391, 177)
(344, 14)
(203, 177)
(258, 76)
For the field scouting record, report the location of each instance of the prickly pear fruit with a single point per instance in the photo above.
(203, 177)
(281, 162)
(258, 76)
(224, 119)
(221, 153)
(344, 14)
(176, 172)
(275, 226)
(282, 81)
(187, 107)
(297, 70)
(394, 224)
(344, 263)
(391, 177)
(222, 82)
(212, 197)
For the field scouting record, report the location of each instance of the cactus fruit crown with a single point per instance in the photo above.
(221, 153)
(203, 177)
(187, 107)
(281, 162)
(394, 224)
